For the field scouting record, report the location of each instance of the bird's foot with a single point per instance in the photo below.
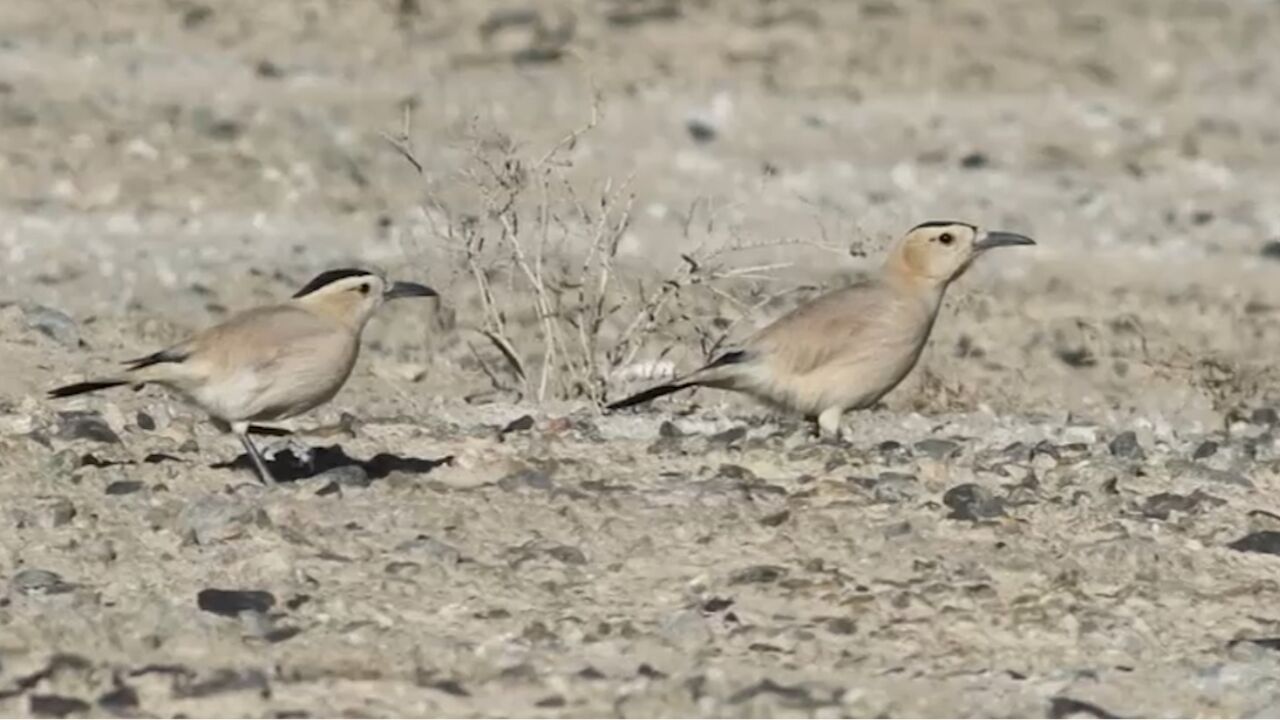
(828, 426)
(303, 453)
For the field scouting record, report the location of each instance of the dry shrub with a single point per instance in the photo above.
(561, 313)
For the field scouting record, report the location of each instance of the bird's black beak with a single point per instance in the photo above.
(408, 289)
(996, 238)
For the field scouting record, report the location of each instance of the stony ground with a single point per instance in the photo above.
(1070, 509)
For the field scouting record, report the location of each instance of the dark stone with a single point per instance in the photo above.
(1065, 707)
(122, 698)
(775, 519)
(730, 436)
(700, 130)
(520, 424)
(1080, 357)
(1265, 416)
(795, 694)
(551, 701)
(1271, 249)
(1126, 445)
(841, 626)
(145, 421)
(196, 15)
(1044, 447)
(231, 603)
(974, 161)
(449, 687)
(54, 324)
(735, 472)
(57, 706)
(280, 634)
(647, 670)
(568, 555)
(757, 574)
(669, 429)
(1206, 449)
(1161, 505)
(53, 511)
(1263, 541)
(716, 604)
(34, 581)
(268, 70)
(84, 425)
(893, 487)
(123, 487)
(972, 502)
(1272, 643)
(937, 448)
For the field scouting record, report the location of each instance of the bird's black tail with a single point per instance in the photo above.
(647, 395)
(85, 387)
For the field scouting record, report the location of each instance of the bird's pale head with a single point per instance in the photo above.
(353, 295)
(938, 252)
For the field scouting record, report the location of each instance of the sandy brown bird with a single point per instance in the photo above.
(268, 363)
(847, 349)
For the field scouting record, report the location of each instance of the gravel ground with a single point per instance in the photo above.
(1069, 509)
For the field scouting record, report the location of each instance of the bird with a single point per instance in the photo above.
(849, 347)
(271, 362)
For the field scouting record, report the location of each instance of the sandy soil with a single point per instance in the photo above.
(1069, 509)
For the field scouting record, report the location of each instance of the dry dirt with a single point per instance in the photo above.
(1048, 518)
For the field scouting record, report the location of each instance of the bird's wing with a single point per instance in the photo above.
(261, 337)
(812, 335)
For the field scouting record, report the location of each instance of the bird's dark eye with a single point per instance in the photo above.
(364, 288)
(945, 238)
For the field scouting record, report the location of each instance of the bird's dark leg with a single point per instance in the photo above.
(263, 473)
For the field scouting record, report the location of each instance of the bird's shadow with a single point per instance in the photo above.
(285, 466)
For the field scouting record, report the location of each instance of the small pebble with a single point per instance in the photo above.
(757, 574)
(568, 555)
(1271, 249)
(1206, 449)
(345, 476)
(520, 424)
(972, 502)
(52, 511)
(1161, 505)
(937, 448)
(1126, 445)
(1263, 541)
(123, 487)
(1264, 416)
(34, 581)
(52, 323)
(730, 436)
(701, 130)
(443, 552)
(892, 487)
(57, 706)
(84, 425)
(230, 603)
(218, 518)
(974, 161)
